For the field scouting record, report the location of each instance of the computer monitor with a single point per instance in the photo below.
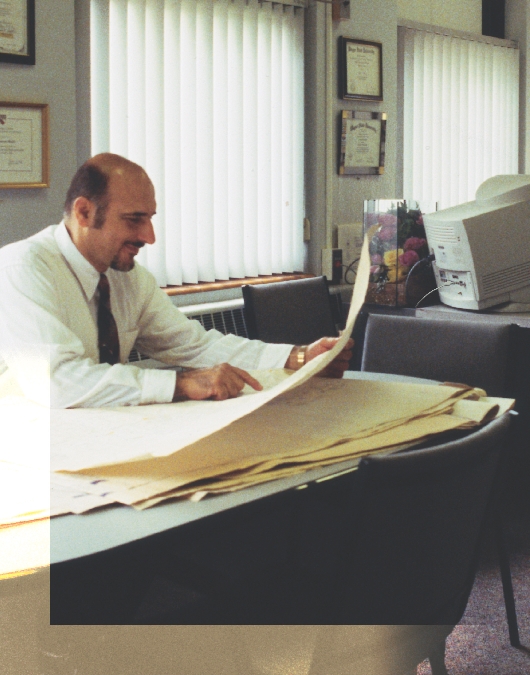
(482, 248)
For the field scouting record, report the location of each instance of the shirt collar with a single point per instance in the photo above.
(87, 275)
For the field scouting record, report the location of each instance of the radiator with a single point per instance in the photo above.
(226, 317)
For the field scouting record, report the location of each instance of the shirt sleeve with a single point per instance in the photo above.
(166, 334)
(48, 359)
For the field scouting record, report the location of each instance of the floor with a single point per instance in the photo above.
(478, 646)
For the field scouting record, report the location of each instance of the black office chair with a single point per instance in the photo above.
(382, 560)
(292, 312)
(409, 553)
(471, 352)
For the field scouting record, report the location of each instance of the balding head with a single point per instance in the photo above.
(92, 179)
(109, 164)
(108, 211)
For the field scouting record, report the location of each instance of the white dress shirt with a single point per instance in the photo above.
(49, 336)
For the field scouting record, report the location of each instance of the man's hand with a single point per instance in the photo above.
(339, 364)
(217, 383)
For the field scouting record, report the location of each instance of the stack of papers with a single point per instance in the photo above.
(321, 422)
(24, 461)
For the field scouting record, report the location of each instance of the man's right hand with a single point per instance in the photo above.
(217, 383)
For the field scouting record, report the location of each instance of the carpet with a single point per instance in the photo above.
(480, 644)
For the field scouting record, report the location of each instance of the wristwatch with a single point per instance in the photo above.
(300, 356)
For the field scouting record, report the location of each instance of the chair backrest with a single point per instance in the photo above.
(473, 353)
(411, 550)
(292, 312)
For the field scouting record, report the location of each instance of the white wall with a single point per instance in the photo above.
(51, 81)
(457, 14)
(332, 199)
(518, 28)
(349, 192)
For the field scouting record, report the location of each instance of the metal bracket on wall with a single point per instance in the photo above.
(340, 10)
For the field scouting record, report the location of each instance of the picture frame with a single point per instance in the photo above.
(24, 145)
(17, 32)
(362, 143)
(360, 69)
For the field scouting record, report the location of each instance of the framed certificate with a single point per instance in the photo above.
(17, 31)
(24, 160)
(362, 143)
(360, 69)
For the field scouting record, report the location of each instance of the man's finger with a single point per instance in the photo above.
(329, 342)
(221, 394)
(248, 379)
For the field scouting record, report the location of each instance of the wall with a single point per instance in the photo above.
(466, 15)
(518, 28)
(349, 192)
(332, 199)
(52, 81)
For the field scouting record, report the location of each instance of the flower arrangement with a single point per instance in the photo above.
(397, 241)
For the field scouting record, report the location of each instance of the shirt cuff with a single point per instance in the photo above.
(274, 356)
(158, 386)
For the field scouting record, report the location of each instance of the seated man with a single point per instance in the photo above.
(73, 303)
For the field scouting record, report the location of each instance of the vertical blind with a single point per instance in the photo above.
(207, 96)
(461, 102)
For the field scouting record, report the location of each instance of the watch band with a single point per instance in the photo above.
(300, 356)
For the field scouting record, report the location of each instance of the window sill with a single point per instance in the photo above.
(203, 287)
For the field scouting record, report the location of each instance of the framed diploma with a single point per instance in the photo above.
(17, 31)
(362, 143)
(360, 69)
(24, 159)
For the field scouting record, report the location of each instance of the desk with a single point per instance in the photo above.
(29, 546)
(73, 536)
(444, 312)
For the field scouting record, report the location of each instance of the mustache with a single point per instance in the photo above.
(138, 244)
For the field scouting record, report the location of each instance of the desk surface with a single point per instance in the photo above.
(487, 316)
(75, 536)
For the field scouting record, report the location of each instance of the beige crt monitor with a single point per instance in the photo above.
(482, 248)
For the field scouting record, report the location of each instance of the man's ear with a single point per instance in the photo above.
(83, 210)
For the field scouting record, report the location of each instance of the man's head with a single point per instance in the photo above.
(108, 211)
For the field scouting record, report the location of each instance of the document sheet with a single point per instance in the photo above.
(321, 422)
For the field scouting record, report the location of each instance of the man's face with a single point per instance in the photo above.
(127, 224)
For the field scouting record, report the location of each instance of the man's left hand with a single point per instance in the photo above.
(339, 364)
(335, 369)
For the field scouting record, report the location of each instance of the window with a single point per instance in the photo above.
(207, 95)
(460, 113)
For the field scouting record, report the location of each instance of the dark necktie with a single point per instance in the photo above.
(108, 341)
